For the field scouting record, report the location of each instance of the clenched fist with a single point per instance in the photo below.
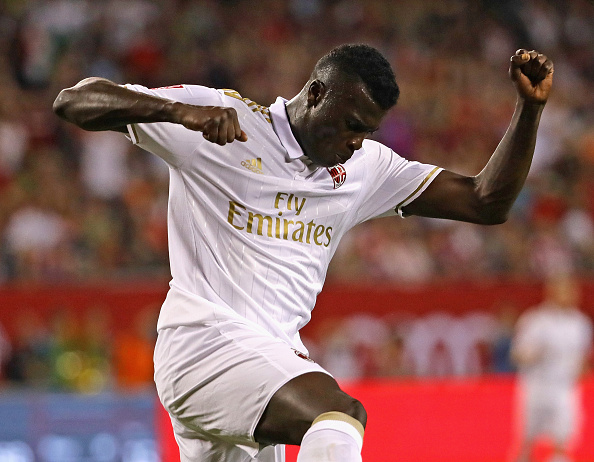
(532, 74)
(218, 125)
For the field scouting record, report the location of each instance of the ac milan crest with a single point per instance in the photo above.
(338, 174)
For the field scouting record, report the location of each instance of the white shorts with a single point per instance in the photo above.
(550, 411)
(215, 380)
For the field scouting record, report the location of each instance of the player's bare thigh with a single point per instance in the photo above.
(293, 408)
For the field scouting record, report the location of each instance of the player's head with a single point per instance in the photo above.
(363, 63)
(348, 94)
(563, 290)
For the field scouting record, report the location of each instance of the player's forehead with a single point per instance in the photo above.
(353, 99)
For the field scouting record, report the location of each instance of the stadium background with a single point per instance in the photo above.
(417, 314)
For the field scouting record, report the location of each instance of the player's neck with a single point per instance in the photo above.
(295, 114)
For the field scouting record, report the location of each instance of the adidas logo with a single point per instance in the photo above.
(255, 165)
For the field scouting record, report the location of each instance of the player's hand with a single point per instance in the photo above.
(532, 74)
(218, 125)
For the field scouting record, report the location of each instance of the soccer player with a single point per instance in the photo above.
(259, 199)
(550, 348)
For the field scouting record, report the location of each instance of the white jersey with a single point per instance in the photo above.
(561, 337)
(253, 226)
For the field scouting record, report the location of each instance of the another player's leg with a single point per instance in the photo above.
(564, 422)
(312, 410)
(524, 450)
(560, 453)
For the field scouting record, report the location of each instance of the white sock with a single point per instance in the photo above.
(559, 458)
(333, 437)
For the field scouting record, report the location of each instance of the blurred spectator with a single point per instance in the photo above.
(65, 358)
(501, 361)
(79, 353)
(133, 352)
(103, 166)
(14, 135)
(391, 358)
(338, 354)
(5, 351)
(95, 351)
(29, 362)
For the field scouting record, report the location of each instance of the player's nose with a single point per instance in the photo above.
(355, 144)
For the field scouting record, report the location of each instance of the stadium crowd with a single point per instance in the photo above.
(78, 353)
(85, 354)
(77, 205)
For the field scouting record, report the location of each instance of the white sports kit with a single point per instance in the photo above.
(252, 228)
(550, 398)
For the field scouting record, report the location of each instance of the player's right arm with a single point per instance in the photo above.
(526, 349)
(525, 356)
(98, 104)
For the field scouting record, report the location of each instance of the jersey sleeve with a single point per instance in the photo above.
(392, 182)
(172, 142)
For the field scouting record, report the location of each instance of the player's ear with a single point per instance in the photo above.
(315, 92)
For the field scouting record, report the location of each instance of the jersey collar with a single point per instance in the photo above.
(280, 123)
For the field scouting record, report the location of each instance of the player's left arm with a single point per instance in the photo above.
(487, 197)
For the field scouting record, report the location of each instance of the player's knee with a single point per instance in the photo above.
(296, 405)
(360, 413)
(343, 403)
(357, 411)
(351, 407)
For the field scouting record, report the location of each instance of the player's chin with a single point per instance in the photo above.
(332, 160)
(323, 162)
(333, 163)
(341, 159)
(329, 160)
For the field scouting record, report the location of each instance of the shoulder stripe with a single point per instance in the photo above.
(255, 107)
(425, 180)
(135, 138)
(232, 94)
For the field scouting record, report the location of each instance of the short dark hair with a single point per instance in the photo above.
(369, 65)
